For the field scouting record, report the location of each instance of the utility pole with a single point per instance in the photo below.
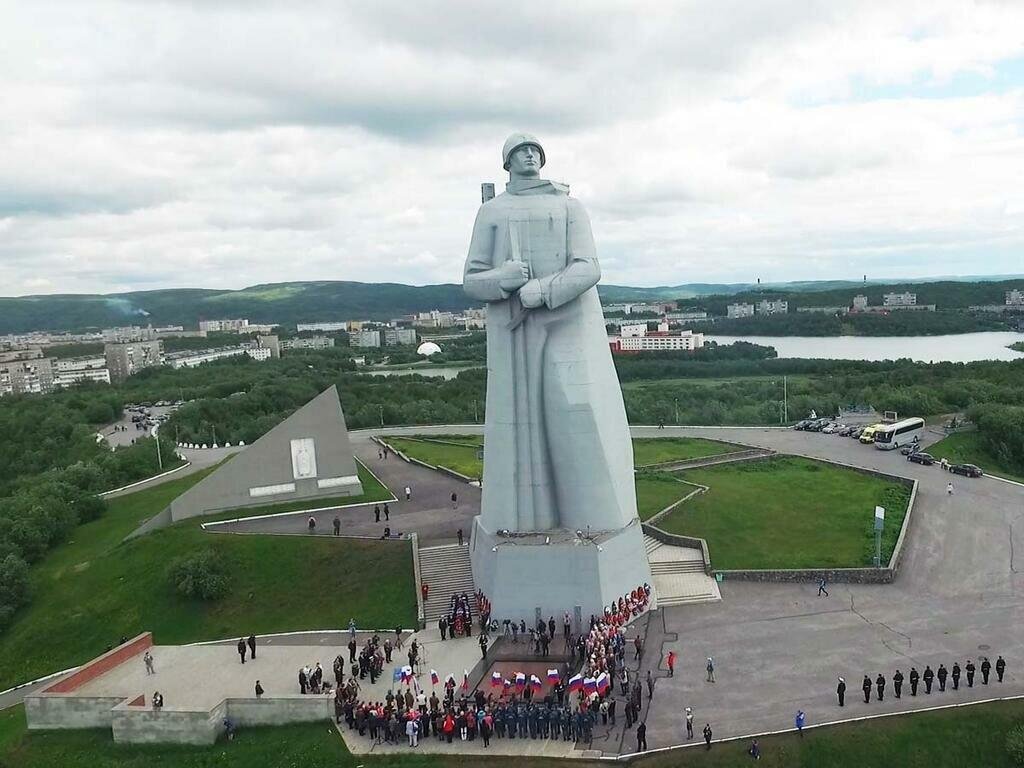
(159, 458)
(675, 403)
(381, 407)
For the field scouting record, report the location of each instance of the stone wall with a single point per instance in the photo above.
(280, 710)
(834, 575)
(132, 725)
(102, 664)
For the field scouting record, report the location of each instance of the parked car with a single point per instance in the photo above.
(845, 431)
(856, 433)
(819, 425)
(910, 448)
(920, 457)
(967, 470)
(802, 424)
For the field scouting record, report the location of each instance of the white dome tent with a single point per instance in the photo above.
(427, 348)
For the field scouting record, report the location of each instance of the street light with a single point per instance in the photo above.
(381, 407)
(879, 523)
(675, 403)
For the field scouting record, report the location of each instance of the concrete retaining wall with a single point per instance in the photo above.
(132, 725)
(102, 664)
(836, 575)
(280, 710)
(679, 540)
(60, 711)
(411, 460)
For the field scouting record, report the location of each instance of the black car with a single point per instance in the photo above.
(856, 433)
(920, 457)
(802, 424)
(910, 448)
(967, 470)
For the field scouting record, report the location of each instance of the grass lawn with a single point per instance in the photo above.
(659, 450)
(91, 590)
(461, 458)
(966, 448)
(655, 491)
(953, 738)
(789, 512)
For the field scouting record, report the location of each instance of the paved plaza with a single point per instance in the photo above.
(777, 647)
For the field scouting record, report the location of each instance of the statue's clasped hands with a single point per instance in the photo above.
(516, 275)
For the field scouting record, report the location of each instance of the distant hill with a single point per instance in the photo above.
(289, 303)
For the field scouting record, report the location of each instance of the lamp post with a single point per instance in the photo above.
(879, 523)
(381, 407)
(675, 404)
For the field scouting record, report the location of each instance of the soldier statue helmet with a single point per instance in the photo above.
(517, 140)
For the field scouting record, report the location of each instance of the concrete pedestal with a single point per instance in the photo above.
(526, 576)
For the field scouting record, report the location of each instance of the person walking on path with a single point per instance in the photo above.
(650, 686)
(755, 750)
(711, 670)
(986, 668)
(897, 683)
(337, 526)
(455, 500)
(458, 534)
(866, 687)
(689, 723)
(914, 678)
(483, 644)
(241, 648)
(970, 673)
(312, 524)
(1000, 668)
(259, 690)
(387, 512)
(671, 661)
(641, 737)
(251, 642)
(955, 674)
(821, 587)
(928, 677)
(942, 674)
(880, 686)
(841, 691)
(798, 721)
(707, 735)
(408, 493)
(638, 646)
(376, 513)
(147, 659)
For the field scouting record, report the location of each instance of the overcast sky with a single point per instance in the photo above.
(222, 143)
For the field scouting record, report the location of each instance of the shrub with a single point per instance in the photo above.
(1015, 744)
(200, 575)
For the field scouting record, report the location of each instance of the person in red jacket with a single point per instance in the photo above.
(448, 727)
(671, 663)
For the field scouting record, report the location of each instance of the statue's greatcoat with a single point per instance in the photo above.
(557, 451)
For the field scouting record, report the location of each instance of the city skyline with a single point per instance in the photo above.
(787, 141)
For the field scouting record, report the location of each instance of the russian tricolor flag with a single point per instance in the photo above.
(507, 684)
(553, 676)
(576, 683)
(406, 673)
(520, 680)
(603, 682)
(434, 679)
(590, 685)
(535, 682)
(495, 679)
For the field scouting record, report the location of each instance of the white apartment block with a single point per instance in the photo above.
(1015, 298)
(739, 310)
(685, 341)
(899, 299)
(777, 307)
(322, 327)
(365, 338)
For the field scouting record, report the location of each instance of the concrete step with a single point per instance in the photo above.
(668, 602)
(448, 571)
(683, 566)
(651, 544)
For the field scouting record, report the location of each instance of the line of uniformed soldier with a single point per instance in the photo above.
(542, 721)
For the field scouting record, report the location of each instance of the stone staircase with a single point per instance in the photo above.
(678, 573)
(447, 570)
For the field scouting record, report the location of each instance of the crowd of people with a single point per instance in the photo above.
(458, 621)
(915, 678)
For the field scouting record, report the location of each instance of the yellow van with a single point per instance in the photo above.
(868, 435)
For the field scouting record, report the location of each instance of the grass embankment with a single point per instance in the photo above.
(967, 448)
(789, 512)
(94, 589)
(967, 736)
(654, 491)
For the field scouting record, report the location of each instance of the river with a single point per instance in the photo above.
(956, 348)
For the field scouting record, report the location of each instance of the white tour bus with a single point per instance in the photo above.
(902, 432)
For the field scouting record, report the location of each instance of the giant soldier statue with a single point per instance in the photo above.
(557, 453)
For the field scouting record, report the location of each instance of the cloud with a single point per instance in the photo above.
(230, 143)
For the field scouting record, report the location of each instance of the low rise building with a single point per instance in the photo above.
(395, 336)
(772, 307)
(272, 343)
(72, 370)
(639, 339)
(310, 342)
(124, 360)
(633, 331)
(332, 327)
(739, 309)
(193, 358)
(238, 325)
(892, 300)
